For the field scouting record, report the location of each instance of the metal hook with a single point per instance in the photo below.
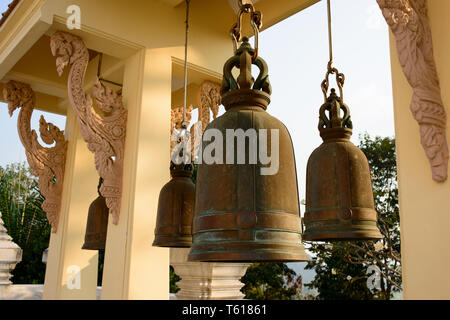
(255, 21)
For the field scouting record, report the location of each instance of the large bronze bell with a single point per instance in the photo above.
(339, 198)
(97, 223)
(176, 209)
(240, 214)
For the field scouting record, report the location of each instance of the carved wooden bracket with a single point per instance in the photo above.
(104, 134)
(208, 98)
(46, 163)
(408, 20)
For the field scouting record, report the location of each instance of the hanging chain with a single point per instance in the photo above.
(183, 123)
(340, 78)
(330, 36)
(255, 21)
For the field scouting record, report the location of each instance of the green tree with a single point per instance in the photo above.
(174, 278)
(341, 267)
(336, 279)
(271, 281)
(26, 222)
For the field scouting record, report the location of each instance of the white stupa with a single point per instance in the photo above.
(10, 255)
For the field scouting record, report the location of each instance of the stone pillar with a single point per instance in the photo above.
(71, 272)
(133, 268)
(207, 280)
(10, 255)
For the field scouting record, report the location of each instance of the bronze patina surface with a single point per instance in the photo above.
(97, 224)
(176, 209)
(339, 197)
(241, 215)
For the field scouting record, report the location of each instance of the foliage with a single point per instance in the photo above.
(174, 278)
(26, 222)
(101, 264)
(342, 267)
(271, 281)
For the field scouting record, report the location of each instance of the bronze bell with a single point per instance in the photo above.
(339, 197)
(97, 223)
(176, 209)
(240, 214)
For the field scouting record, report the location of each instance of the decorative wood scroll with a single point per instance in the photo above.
(208, 98)
(408, 20)
(46, 163)
(104, 134)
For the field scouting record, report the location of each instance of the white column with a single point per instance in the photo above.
(133, 268)
(10, 255)
(71, 272)
(207, 280)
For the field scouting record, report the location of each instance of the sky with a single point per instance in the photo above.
(296, 51)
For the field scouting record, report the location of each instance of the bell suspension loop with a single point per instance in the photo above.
(340, 77)
(255, 21)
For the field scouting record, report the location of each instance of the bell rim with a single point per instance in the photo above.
(172, 242)
(342, 236)
(93, 246)
(299, 255)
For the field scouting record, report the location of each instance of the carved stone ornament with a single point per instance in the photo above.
(104, 134)
(46, 163)
(209, 100)
(408, 20)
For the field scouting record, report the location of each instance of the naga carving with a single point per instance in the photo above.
(209, 100)
(104, 134)
(408, 20)
(46, 163)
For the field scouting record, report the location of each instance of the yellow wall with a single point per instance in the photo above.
(424, 204)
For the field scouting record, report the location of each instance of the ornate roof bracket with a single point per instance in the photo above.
(46, 163)
(408, 20)
(104, 134)
(208, 98)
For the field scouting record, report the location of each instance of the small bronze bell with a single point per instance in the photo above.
(339, 198)
(176, 209)
(240, 214)
(97, 223)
